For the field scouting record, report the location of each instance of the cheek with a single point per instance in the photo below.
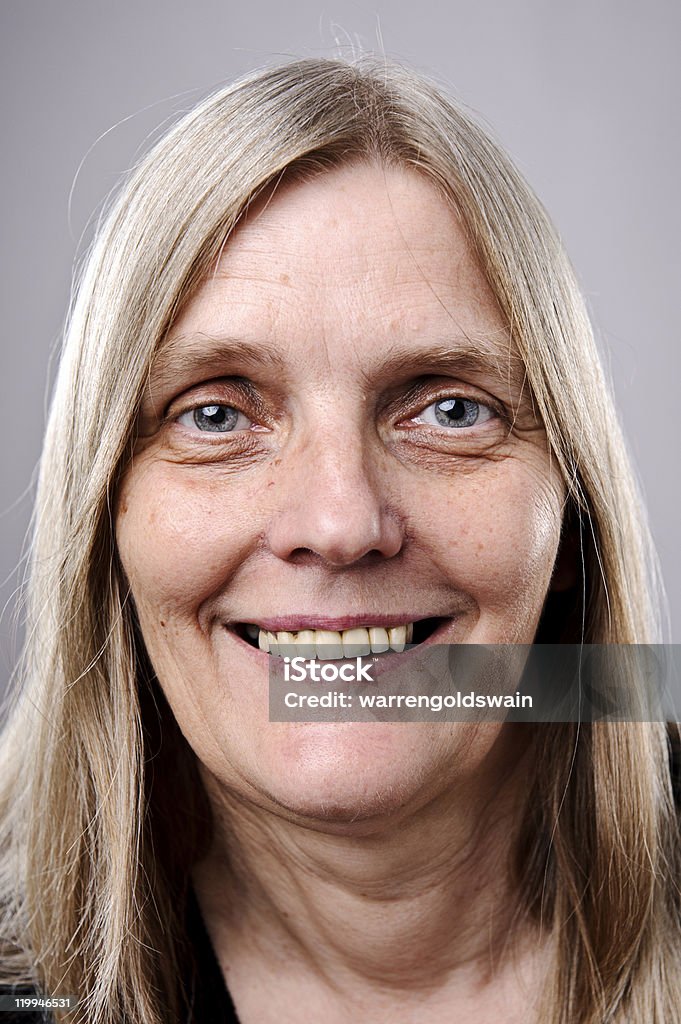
(496, 533)
(518, 536)
(178, 538)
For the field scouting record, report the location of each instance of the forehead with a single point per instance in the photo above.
(357, 259)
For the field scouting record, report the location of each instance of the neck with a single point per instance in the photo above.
(409, 903)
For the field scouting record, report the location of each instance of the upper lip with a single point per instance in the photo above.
(336, 623)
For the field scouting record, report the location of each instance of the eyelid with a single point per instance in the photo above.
(424, 395)
(235, 392)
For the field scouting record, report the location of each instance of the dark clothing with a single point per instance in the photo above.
(212, 1003)
(208, 1000)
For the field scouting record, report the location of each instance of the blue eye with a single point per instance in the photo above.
(455, 413)
(215, 419)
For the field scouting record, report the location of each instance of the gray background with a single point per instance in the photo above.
(584, 94)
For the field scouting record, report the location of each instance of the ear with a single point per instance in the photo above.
(568, 565)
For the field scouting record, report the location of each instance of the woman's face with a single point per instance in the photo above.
(335, 435)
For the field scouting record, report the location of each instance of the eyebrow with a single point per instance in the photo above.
(458, 354)
(174, 359)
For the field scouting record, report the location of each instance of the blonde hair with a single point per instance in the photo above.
(88, 885)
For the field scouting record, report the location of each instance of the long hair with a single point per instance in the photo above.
(92, 764)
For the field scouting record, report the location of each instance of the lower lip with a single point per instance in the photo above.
(382, 662)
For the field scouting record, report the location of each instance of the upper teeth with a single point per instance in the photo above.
(329, 645)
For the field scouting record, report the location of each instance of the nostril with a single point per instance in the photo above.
(304, 555)
(307, 556)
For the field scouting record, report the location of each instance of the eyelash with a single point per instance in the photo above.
(472, 407)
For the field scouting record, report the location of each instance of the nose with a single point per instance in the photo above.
(332, 506)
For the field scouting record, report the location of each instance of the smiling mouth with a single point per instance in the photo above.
(333, 645)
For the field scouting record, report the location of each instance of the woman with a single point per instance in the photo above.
(329, 376)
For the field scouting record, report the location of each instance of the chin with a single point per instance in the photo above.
(351, 773)
(342, 809)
